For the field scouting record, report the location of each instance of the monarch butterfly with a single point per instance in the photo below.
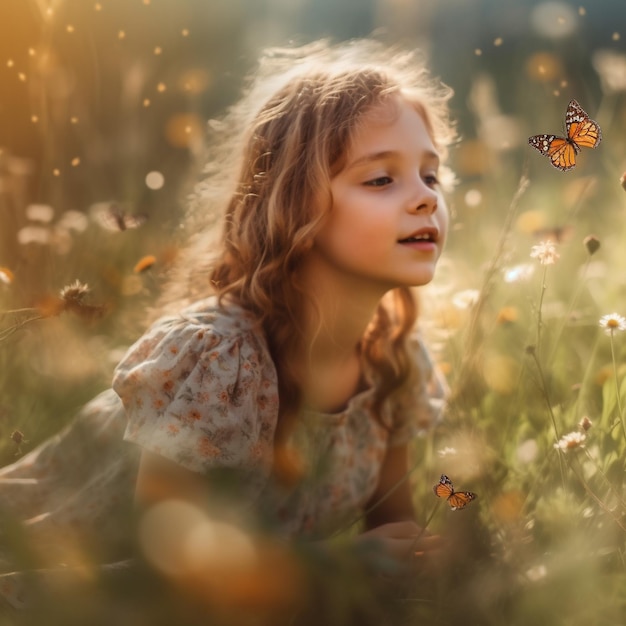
(456, 499)
(582, 132)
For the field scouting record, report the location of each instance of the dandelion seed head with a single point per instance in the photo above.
(612, 323)
(545, 252)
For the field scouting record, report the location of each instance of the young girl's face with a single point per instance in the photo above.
(388, 220)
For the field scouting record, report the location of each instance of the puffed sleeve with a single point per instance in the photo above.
(201, 391)
(422, 406)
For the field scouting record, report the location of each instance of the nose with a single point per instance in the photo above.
(424, 198)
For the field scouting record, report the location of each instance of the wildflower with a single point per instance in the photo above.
(571, 441)
(592, 243)
(144, 263)
(612, 322)
(507, 315)
(545, 252)
(72, 299)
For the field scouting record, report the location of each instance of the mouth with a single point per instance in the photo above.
(424, 235)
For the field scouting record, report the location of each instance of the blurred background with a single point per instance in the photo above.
(103, 111)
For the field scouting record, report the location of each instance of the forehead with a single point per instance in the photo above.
(392, 124)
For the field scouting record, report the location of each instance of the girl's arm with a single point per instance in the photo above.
(393, 491)
(392, 521)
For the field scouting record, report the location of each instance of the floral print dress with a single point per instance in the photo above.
(200, 389)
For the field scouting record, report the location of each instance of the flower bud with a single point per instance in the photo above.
(592, 243)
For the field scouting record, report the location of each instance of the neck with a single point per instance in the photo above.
(341, 308)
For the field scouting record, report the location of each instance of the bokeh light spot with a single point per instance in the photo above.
(155, 180)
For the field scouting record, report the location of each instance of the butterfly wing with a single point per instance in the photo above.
(444, 488)
(112, 217)
(561, 152)
(581, 129)
(460, 499)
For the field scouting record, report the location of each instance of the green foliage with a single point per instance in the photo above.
(524, 353)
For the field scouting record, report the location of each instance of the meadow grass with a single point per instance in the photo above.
(525, 319)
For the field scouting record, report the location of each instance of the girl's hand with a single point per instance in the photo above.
(405, 543)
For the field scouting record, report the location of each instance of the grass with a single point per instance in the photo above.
(535, 424)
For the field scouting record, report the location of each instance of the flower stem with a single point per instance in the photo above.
(546, 397)
(539, 315)
(617, 389)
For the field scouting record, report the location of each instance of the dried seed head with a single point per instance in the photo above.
(592, 243)
(74, 293)
(73, 300)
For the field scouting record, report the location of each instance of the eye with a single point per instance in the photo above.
(380, 181)
(431, 180)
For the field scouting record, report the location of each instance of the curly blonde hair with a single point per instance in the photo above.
(268, 180)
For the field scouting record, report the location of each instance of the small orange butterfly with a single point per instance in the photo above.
(456, 499)
(582, 132)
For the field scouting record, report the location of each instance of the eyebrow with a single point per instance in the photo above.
(385, 154)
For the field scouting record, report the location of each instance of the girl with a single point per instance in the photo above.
(294, 367)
